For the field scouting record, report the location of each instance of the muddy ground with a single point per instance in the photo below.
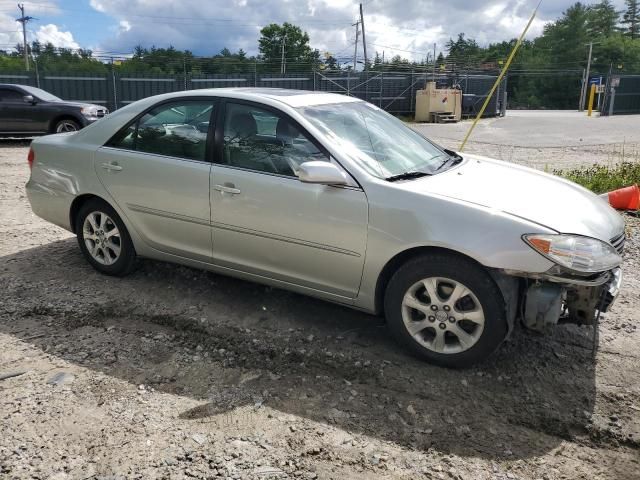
(178, 373)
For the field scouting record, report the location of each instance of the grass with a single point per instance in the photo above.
(604, 178)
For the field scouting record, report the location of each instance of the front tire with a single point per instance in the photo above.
(66, 125)
(446, 310)
(104, 240)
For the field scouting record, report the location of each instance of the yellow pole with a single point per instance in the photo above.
(592, 95)
(501, 76)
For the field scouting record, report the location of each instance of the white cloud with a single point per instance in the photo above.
(401, 26)
(51, 34)
(97, 5)
(494, 10)
(10, 32)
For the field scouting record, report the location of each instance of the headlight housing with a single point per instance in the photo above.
(89, 112)
(575, 252)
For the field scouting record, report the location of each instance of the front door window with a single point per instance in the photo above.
(261, 140)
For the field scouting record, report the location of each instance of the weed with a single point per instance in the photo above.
(604, 178)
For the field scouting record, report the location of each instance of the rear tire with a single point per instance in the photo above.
(446, 310)
(103, 239)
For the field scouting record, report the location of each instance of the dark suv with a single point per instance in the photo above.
(29, 111)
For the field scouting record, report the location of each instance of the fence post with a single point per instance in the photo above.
(612, 100)
(413, 93)
(115, 92)
(184, 71)
(314, 78)
(367, 77)
(381, 85)
(37, 71)
(255, 73)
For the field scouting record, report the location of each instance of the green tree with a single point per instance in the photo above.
(631, 18)
(602, 19)
(297, 52)
(463, 51)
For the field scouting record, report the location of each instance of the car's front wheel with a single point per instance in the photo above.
(446, 310)
(66, 125)
(103, 239)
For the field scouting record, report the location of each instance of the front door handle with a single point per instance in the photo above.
(113, 166)
(227, 188)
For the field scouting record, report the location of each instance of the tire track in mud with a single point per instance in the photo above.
(393, 378)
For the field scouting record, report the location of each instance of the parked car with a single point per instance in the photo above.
(27, 111)
(330, 196)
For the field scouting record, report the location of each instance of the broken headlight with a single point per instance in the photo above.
(575, 252)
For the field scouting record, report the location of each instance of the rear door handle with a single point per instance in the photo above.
(227, 188)
(114, 167)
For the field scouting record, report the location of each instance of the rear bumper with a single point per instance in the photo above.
(50, 204)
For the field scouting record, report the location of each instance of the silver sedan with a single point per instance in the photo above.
(332, 197)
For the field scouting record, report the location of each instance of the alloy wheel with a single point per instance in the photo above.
(66, 126)
(443, 315)
(102, 238)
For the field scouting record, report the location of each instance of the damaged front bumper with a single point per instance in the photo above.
(549, 298)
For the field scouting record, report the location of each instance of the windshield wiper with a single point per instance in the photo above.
(407, 176)
(453, 157)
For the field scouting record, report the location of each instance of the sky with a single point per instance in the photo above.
(405, 27)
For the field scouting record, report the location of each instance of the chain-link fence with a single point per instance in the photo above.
(395, 92)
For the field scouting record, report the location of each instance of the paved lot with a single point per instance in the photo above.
(546, 139)
(177, 373)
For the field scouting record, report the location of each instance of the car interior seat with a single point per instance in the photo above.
(242, 147)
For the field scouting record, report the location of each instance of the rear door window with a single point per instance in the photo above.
(177, 129)
(10, 96)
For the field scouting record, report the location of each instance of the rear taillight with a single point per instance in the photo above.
(31, 158)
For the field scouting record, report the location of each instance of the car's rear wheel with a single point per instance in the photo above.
(66, 125)
(446, 310)
(103, 239)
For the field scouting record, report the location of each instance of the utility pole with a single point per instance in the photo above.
(115, 89)
(23, 20)
(355, 52)
(364, 40)
(434, 62)
(283, 67)
(585, 84)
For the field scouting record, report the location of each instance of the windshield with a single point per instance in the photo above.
(41, 94)
(380, 143)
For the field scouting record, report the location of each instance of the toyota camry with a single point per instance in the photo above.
(330, 196)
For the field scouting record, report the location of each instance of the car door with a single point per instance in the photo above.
(156, 170)
(268, 223)
(14, 112)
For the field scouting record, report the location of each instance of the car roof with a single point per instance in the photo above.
(292, 98)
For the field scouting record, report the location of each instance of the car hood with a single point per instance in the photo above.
(547, 200)
(81, 105)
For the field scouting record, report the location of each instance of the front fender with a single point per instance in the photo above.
(407, 220)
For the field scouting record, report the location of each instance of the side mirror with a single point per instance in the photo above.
(324, 173)
(29, 99)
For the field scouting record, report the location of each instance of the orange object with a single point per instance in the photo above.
(627, 198)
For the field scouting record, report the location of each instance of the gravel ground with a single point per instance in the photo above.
(177, 373)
